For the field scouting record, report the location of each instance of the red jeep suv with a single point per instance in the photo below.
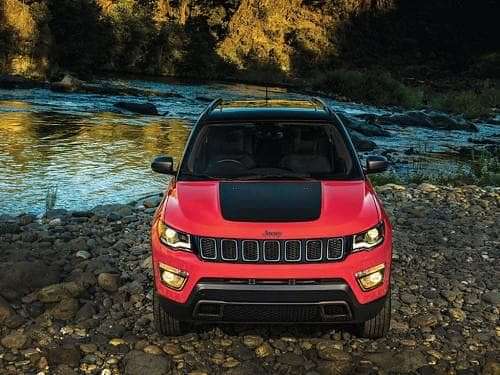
(270, 218)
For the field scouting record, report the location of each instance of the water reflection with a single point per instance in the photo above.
(92, 159)
(79, 143)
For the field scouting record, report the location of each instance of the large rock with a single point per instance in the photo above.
(492, 297)
(361, 143)
(7, 227)
(424, 120)
(15, 340)
(67, 84)
(138, 363)
(58, 292)
(329, 350)
(6, 311)
(20, 278)
(69, 356)
(109, 281)
(491, 367)
(442, 121)
(334, 368)
(141, 108)
(116, 210)
(363, 127)
(66, 309)
(401, 362)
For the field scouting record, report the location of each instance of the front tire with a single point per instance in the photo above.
(165, 323)
(378, 326)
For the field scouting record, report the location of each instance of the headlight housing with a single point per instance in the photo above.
(368, 239)
(173, 238)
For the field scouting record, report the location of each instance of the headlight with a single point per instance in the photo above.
(371, 238)
(173, 238)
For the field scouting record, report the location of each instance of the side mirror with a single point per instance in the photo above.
(163, 164)
(376, 164)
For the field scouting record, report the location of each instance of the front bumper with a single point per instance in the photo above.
(235, 292)
(324, 302)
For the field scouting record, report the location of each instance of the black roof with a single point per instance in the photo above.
(267, 110)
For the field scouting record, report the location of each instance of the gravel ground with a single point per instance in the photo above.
(75, 297)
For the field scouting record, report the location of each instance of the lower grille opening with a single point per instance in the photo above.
(235, 312)
(271, 313)
(209, 310)
(336, 312)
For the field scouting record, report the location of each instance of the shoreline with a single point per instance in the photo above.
(296, 85)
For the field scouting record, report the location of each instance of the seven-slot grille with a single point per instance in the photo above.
(270, 251)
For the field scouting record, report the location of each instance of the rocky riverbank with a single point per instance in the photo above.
(75, 297)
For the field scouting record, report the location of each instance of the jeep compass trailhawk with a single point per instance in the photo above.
(270, 218)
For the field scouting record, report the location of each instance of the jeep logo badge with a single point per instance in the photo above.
(272, 234)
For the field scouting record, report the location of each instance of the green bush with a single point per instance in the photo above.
(133, 30)
(199, 59)
(471, 103)
(482, 168)
(374, 87)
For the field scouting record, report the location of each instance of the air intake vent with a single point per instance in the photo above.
(335, 248)
(271, 251)
(208, 248)
(229, 249)
(292, 251)
(314, 250)
(250, 251)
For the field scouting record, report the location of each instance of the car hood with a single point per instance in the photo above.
(343, 208)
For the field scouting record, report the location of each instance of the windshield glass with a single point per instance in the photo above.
(268, 151)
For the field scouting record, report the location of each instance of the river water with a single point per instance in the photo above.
(91, 153)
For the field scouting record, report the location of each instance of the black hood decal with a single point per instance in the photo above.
(270, 201)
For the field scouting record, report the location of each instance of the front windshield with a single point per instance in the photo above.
(268, 151)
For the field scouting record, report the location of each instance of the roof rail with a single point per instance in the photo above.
(323, 104)
(210, 108)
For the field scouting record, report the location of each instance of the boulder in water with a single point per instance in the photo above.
(361, 143)
(141, 108)
(422, 119)
(67, 84)
(363, 127)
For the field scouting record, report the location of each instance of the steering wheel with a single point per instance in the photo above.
(230, 161)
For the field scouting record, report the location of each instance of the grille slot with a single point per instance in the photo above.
(208, 248)
(271, 251)
(250, 251)
(314, 250)
(229, 250)
(292, 251)
(335, 249)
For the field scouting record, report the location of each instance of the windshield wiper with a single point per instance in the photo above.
(276, 176)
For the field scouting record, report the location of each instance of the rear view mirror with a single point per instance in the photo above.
(376, 164)
(163, 164)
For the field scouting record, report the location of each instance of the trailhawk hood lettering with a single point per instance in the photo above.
(317, 209)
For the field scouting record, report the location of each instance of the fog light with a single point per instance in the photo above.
(371, 278)
(172, 277)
